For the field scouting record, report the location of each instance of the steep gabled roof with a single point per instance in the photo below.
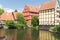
(48, 5)
(31, 8)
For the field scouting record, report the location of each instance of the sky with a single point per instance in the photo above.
(11, 5)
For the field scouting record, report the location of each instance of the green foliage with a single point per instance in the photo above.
(55, 28)
(20, 18)
(35, 28)
(21, 22)
(35, 21)
(58, 28)
(1, 11)
(20, 26)
(16, 11)
(10, 24)
(17, 25)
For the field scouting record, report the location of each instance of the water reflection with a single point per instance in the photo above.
(28, 34)
(22, 34)
(2, 32)
(46, 35)
(57, 35)
(11, 34)
(35, 34)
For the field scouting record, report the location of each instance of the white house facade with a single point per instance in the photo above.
(49, 14)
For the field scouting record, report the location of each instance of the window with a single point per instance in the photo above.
(40, 11)
(46, 11)
(53, 9)
(50, 10)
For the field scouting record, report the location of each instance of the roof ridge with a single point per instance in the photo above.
(30, 5)
(48, 2)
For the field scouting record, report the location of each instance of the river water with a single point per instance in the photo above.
(22, 34)
(47, 35)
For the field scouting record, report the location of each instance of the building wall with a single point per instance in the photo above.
(28, 16)
(48, 17)
(57, 18)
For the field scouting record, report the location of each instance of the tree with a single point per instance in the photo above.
(16, 11)
(21, 20)
(1, 11)
(35, 21)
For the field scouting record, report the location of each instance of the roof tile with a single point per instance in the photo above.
(8, 16)
(48, 5)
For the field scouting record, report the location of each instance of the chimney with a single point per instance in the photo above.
(13, 16)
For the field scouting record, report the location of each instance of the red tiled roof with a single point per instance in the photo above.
(48, 5)
(8, 16)
(31, 8)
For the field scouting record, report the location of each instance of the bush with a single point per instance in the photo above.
(58, 28)
(35, 28)
(20, 26)
(55, 28)
(10, 24)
